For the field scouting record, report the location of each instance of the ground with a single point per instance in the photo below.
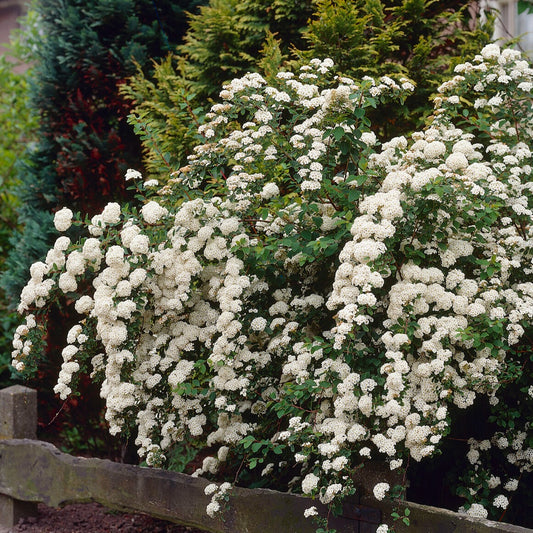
(93, 518)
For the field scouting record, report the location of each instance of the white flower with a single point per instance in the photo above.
(75, 264)
(491, 51)
(495, 101)
(63, 219)
(310, 511)
(210, 489)
(501, 502)
(369, 138)
(137, 277)
(269, 191)
(380, 490)
(140, 244)
(511, 485)
(38, 270)
(263, 115)
(229, 225)
(395, 463)
(477, 510)
(212, 509)
(114, 256)
(368, 385)
(123, 288)
(61, 244)
(111, 213)
(132, 174)
(493, 482)
(365, 452)
(434, 149)
(339, 463)
(456, 161)
(69, 351)
(225, 487)
(309, 483)
(258, 324)
(67, 282)
(330, 493)
(222, 454)
(91, 250)
(152, 212)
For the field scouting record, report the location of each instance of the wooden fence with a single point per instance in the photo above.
(32, 471)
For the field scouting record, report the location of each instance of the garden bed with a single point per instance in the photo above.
(94, 518)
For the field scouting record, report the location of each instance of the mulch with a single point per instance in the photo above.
(94, 518)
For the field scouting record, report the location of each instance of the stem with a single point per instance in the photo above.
(510, 498)
(239, 469)
(57, 414)
(155, 146)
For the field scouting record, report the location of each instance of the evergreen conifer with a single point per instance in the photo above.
(85, 144)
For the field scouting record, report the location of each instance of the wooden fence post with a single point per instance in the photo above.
(18, 420)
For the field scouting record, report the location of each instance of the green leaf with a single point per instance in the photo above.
(247, 441)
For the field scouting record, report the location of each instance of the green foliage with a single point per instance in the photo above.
(225, 39)
(163, 118)
(525, 6)
(302, 300)
(420, 39)
(18, 130)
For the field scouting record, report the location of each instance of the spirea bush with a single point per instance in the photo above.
(301, 300)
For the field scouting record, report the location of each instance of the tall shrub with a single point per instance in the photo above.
(84, 143)
(302, 301)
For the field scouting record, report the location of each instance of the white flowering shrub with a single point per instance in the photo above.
(301, 300)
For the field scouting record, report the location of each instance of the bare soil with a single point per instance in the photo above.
(94, 518)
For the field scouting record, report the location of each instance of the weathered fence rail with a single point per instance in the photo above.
(32, 471)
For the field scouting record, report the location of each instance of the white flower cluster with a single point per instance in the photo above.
(380, 490)
(306, 141)
(63, 219)
(343, 311)
(218, 494)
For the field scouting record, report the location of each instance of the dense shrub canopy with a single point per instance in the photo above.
(422, 40)
(301, 300)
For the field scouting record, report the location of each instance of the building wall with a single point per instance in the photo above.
(511, 24)
(10, 10)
